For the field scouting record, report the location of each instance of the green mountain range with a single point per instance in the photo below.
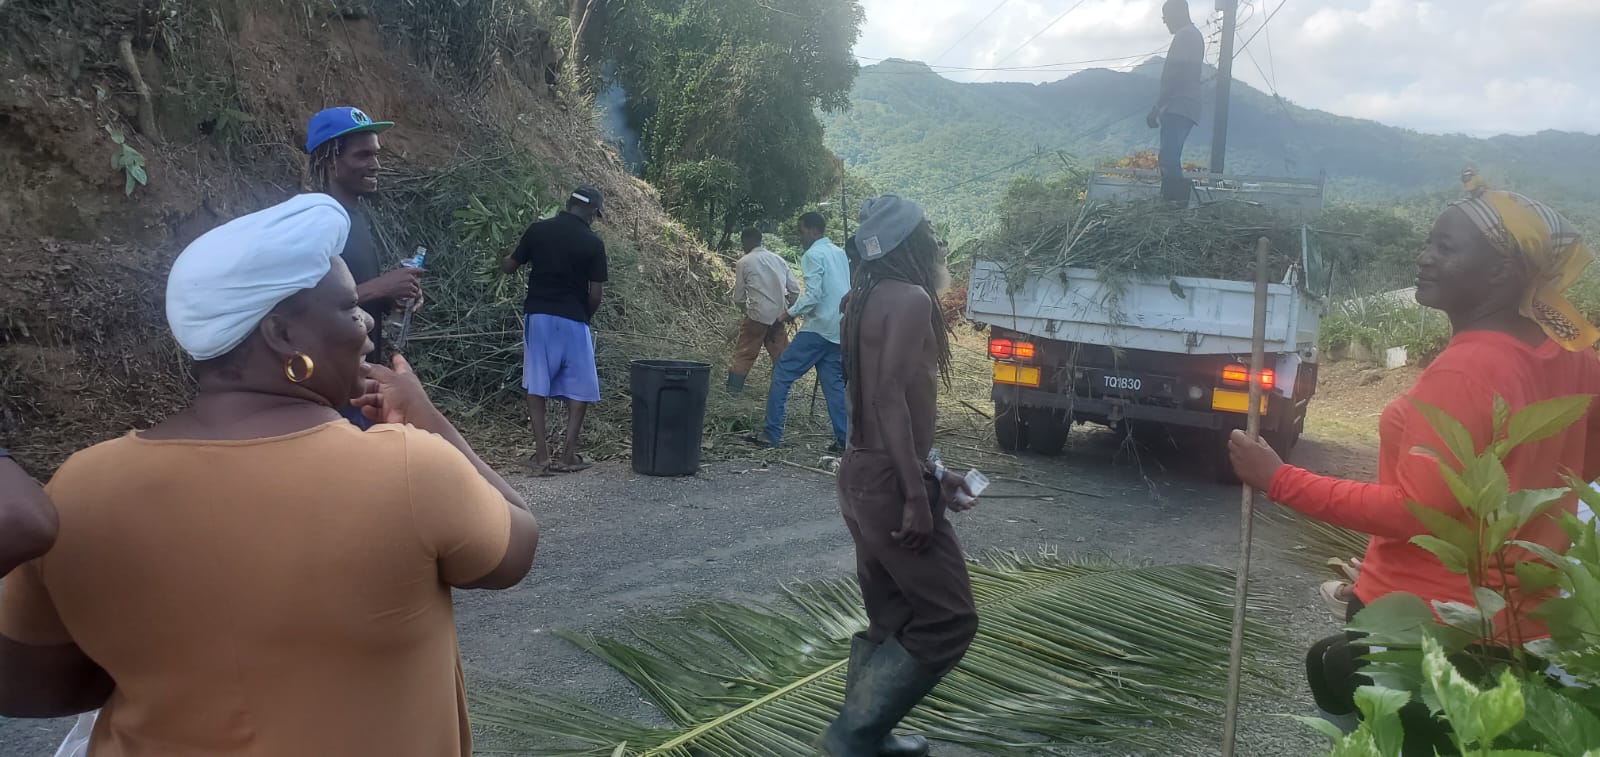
(955, 146)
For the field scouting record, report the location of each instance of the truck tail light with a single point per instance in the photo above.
(1238, 375)
(1006, 349)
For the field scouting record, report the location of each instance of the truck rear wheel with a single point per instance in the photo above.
(1010, 433)
(1282, 442)
(1285, 439)
(1047, 430)
(1221, 462)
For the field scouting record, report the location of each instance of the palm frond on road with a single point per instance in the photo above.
(1069, 651)
(1312, 541)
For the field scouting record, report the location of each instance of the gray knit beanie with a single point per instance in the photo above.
(886, 221)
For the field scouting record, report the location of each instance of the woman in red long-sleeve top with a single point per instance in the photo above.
(1497, 264)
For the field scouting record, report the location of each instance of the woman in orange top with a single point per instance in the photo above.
(1497, 264)
(255, 575)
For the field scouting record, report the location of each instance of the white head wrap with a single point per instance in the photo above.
(225, 282)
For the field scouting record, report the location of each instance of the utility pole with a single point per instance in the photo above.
(844, 210)
(1219, 127)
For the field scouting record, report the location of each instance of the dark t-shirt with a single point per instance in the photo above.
(563, 256)
(361, 254)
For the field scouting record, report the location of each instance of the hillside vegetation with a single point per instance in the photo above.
(956, 146)
(207, 99)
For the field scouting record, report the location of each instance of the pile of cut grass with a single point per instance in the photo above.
(1151, 239)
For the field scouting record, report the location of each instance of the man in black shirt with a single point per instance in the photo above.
(566, 269)
(343, 144)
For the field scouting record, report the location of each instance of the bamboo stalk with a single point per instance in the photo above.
(1247, 496)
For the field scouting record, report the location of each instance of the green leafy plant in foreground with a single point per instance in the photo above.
(1480, 716)
(129, 161)
(1066, 651)
(1518, 707)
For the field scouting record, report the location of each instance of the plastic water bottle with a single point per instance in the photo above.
(416, 259)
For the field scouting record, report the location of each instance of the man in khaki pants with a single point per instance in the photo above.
(765, 287)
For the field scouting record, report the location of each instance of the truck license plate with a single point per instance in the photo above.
(1123, 383)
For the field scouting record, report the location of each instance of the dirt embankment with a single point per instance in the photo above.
(84, 353)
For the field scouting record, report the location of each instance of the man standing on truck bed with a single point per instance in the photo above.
(893, 493)
(1177, 110)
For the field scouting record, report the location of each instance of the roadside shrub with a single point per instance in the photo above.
(1379, 322)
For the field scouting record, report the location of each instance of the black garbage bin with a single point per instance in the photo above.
(669, 414)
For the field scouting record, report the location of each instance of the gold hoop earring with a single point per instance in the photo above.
(304, 375)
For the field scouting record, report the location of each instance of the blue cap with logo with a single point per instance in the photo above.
(337, 122)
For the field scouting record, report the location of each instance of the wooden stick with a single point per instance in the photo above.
(993, 452)
(1247, 497)
(807, 467)
(976, 409)
(1026, 482)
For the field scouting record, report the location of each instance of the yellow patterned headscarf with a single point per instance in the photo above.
(1546, 245)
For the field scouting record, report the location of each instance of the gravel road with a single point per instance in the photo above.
(618, 544)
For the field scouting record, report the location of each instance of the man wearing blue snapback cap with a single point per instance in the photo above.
(343, 144)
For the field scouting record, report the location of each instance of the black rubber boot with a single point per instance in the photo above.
(887, 687)
(736, 383)
(911, 745)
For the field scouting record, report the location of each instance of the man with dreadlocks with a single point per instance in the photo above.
(343, 144)
(893, 493)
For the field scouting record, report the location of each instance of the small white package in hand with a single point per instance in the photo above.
(977, 482)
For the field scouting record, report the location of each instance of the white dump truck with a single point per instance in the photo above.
(1156, 352)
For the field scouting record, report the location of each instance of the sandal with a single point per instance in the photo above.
(560, 467)
(1336, 596)
(536, 470)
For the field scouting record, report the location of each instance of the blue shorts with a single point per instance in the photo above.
(558, 359)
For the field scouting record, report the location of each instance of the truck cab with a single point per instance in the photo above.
(1154, 351)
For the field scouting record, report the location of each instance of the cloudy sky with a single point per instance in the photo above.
(1473, 66)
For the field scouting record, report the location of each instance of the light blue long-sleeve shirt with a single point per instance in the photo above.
(826, 271)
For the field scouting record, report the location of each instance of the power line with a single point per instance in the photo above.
(1272, 63)
(1036, 155)
(1031, 67)
(1270, 16)
(917, 72)
(969, 32)
(923, 72)
(985, 175)
(1041, 32)
(1272, 84)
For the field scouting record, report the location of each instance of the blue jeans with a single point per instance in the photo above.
(1174, 132)
(808, 350)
